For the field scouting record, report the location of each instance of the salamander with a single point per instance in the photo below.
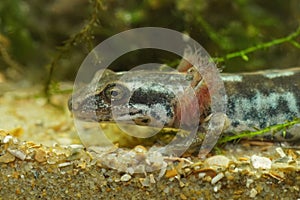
(255, 100)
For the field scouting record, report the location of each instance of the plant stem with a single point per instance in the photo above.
(243, 53)
(249, 134)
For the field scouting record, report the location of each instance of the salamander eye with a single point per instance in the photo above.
(116, 92)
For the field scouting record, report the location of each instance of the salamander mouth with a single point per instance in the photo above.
(91, 116)
(132, 118)
(92, 113)
(94, 117)
(141, 120)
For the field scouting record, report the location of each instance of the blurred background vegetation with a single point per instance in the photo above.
(35, 35)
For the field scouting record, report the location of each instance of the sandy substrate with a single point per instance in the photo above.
(41, 157)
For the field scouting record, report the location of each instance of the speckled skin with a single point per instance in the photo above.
(261, 99)
(255, 100)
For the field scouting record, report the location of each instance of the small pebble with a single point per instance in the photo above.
(249, 182)
(183, 197)
(253, 193)
(130, 170)
(145, 182)
(171, 173)
(125, 177)
(140, 149)
(261, 162)
(181, 184)
(40, 155)
(7, 158)
(201, 175)
(167, 190)
(217, 187)
(152, 179)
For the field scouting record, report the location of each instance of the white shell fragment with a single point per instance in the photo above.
(7, 139)
(261, 162)
(218, 177)
(17, 153)
(76, 146)
(280, 151)
(64, 164)
(219, 160)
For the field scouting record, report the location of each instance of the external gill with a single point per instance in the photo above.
(254, 100)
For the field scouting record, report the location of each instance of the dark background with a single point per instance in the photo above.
(36, 34)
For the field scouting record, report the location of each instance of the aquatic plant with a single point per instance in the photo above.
(250, 134)
(16, 44)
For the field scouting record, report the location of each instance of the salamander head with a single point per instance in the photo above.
(88, 103)
(128, 99)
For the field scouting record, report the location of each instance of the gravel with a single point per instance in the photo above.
(42, 158)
